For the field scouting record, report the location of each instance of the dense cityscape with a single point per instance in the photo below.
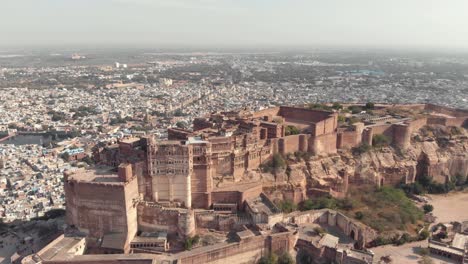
(62, 113)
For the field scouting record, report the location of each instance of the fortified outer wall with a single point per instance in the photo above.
(303, 114)
(207, 220)
(236, 197)
(98, 208)
(446, 110)
(402, 135)
(107, 259)
(347, 139)
(418, 124)
(288, 144)
(270, 112)
(248, 250)
(354, 229)
(323, 127)
(296, 195)
(436, 120)
(386, 129)
(324, 144)
(153, 218)
(367, 135)
(458, 122)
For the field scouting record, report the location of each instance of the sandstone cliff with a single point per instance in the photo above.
(439, 157)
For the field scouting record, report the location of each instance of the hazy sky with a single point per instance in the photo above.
(236, 23)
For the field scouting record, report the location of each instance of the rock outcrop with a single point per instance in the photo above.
(440, 157)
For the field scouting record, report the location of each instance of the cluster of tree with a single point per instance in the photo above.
(191, 241)
(380, 140)
(316, 106)
(158, 113)
(400, 240)
(182, 124)
(356, 109)
(284, 258)
(425, 184)
(119, 120)
(57, 116)
(13, 126)
(291, 130)
(286, 206)
(302, 155)
(275, 164)
(327, 202)
(363, 148)
(83, 111)
(337, 106)
(179, 112)
(428, 208)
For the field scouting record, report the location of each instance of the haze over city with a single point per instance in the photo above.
(394, 24)
(233, 131)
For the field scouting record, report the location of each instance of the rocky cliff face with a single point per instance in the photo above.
(440, 158)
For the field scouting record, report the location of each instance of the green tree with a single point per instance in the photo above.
(291, 130)
(337, 106)
(181, 124)
(287, 206)
(355, 109)
(278, 161)
(380, 140)
(423, 235)
(370, 105)
(191, 241)
(341, 119)
(460, 179)
(363, 148)
(270, 259)
(428, 208)
(319, 203)
(179, 112)
(359, 215)
(286, 258)
(304, 257)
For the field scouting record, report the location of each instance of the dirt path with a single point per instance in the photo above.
(406, 254)
(450, 207)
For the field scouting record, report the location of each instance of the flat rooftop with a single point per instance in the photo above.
(96, 175)
(130, 140)
(261, 204)
(459, 241)
(61, 248)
